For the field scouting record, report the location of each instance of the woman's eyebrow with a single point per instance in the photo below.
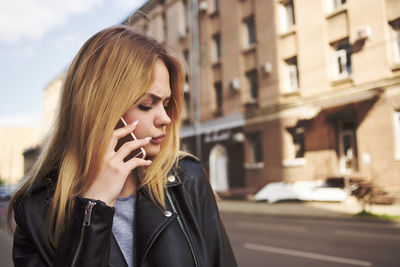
(156, 98)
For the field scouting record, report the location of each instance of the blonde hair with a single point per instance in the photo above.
(112, 72)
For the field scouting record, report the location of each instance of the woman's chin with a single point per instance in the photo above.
(152, 151)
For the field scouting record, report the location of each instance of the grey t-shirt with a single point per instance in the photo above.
(122, 227)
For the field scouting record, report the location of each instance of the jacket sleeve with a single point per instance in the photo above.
(85, 242)
(24, 254)
(205, 205)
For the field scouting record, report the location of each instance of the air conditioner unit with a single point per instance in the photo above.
(203, 6)
(182, 33)
(186, 88)
(364, 32)
(266, 68)
(235, 84)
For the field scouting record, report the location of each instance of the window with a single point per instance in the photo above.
(187, 60)
(342, 60)
(186, 97)
(218, 97)
(186, 88)
(214, 6)
(396, 42)
(397, 134)
(216, 47)
(255, 147)
(252, 81)
(249, 32)
(187, 14)
(332, 5)
(291, 79)
(186, 55)
(165, 26)
(287, 21)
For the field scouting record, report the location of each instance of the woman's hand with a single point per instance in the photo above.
(114, 171)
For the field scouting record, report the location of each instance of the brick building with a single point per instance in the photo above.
(290, 90)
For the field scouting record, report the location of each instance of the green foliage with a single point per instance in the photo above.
(366, 214)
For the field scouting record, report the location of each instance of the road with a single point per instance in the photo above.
(265, 240)
(272, 240)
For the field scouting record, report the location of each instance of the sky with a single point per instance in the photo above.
(38, 40)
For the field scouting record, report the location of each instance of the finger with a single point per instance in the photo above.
(128, 147)
(137, 162)
(119, 133)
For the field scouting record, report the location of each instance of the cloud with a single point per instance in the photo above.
(67, 40)
(33, 18)
(26, 52)
(130, 4)
(29, 119)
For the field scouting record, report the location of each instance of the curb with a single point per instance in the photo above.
(305, 209)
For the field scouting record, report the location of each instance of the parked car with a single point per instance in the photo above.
(6, 191)
(316, 190)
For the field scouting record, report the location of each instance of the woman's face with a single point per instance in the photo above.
(151, 113)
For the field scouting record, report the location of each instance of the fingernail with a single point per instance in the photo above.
(148, 138)
(134, 123)
(149, 161)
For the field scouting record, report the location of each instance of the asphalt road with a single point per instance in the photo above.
(265, 240)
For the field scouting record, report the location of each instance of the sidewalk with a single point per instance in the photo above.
(344, 209)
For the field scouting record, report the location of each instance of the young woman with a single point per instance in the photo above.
(88, 202)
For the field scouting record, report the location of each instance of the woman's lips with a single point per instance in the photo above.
(158, 139)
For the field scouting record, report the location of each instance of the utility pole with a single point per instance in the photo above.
(196, 78)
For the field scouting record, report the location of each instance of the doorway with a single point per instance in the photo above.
(347, 148)
(219, 168)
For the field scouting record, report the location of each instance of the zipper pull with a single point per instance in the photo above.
(88, 213)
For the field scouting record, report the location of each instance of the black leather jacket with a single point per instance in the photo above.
(190, 233)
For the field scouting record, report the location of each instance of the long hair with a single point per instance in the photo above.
(112, 72)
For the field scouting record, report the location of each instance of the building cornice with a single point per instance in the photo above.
(223, 123)
(309, 106)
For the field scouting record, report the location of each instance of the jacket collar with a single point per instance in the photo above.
(150, 221)
(116, 259)
(173, 180)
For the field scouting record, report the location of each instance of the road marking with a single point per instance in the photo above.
(305, 254)
(367, 235)
(271, 226)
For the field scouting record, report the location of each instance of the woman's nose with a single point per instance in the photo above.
(162, 119)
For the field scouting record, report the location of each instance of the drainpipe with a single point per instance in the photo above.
(195, 77)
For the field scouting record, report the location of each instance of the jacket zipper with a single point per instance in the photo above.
(86, 222)
(183, 229)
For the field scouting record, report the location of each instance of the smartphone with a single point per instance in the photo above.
(138, 153)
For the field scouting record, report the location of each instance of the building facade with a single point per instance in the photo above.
(289, 90)
(15, 141)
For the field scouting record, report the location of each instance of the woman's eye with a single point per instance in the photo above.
(143, 107)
